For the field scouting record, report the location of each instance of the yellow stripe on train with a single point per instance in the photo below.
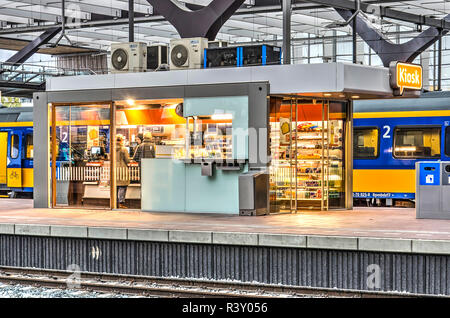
(17, 124)
(389, 180)
(19, 177)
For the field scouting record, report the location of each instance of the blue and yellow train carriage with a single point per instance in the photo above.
(390, 136)
(16, 150)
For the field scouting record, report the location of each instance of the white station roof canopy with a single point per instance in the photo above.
(251, 23)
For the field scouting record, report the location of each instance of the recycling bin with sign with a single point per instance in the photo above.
(433, 190)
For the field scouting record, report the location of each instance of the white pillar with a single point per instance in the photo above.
(425, 62)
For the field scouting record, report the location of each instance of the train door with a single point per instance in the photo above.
(3, 156)
(27, 161)
(14, 161)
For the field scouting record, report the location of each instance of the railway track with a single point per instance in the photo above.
(172, 287)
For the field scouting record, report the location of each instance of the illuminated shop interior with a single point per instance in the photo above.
(83, 143)
(307, 169)
(308, 154)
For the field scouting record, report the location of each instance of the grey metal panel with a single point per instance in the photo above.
(349, 154)
(433, 200)
(438, 275)
(199, 261)
(258, 123)
(246, 192)
(219, 76)
(344, 270)
(356, 77)
(298, 78)
(80, 96)
(150, 79)
(445, 189)
(214, 90)
(284, 79)
(383, 262)
(148, 260)
(41, 133)
(428, 200)
(414, 273)
(148, 93)
(92, 82)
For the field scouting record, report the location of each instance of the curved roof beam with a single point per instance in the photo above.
(385, 48)
(208, 20)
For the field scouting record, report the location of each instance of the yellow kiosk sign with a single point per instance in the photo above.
(405, 75)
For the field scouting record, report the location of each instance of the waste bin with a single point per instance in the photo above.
(433, 190)
(254, 193)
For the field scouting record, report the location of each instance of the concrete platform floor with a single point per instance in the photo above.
(361, 222)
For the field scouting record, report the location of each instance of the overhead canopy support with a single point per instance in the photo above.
(205, 22)
(32, 47)
(130, 20)
(385, 12)
(287, 12)
(386, 49)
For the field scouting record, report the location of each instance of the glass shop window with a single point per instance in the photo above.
(365, 143)
(14, 146)
(29, 146)
(417, 142)
(210, 137)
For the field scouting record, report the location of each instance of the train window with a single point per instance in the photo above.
(447, 141)
(365, 142)
(417, 142)
(29, 146)
(14, 146)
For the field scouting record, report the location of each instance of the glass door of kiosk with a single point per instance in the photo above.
(80, 156)
(144, 129)
(307, 147)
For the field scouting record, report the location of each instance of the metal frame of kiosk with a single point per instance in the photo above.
(256, 93)
(329, 81)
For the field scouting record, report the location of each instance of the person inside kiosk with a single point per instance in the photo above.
(123, 180)
(146, 149)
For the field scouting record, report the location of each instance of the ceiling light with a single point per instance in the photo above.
(130, 102)
(355, 96)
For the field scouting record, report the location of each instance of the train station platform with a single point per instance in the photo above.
(370, 229)
(338, 250)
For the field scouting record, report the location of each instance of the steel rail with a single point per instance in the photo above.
(178, 287)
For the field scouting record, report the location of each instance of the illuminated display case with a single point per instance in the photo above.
(307, 170)
(210, 137)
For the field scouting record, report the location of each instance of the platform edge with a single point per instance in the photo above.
(6, 228)
(431, 247)
(32, 229)
(384, 245)
(282, 240)
(179, 236)
(107, 233)
(332, 242)
(69, 231)
(151, 235)
(233, 238)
